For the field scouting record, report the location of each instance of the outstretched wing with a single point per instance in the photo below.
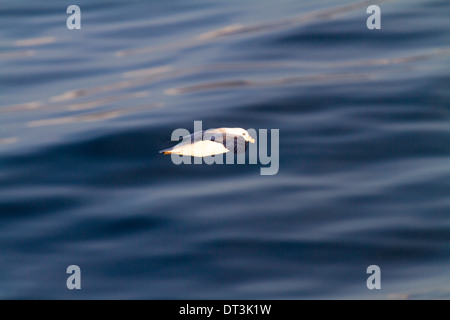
(235, 144)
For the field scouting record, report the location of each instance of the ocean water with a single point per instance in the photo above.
(364, 172)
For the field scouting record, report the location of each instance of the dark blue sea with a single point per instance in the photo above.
(364, 149)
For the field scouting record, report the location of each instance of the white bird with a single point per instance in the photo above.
(211, 142)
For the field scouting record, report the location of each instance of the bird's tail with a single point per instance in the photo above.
(166, 151)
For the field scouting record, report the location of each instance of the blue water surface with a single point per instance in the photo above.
(364, 172)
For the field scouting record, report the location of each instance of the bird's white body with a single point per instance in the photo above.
(199, 149)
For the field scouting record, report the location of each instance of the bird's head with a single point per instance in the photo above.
(241, 132)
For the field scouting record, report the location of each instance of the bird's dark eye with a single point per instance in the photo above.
(243, 134)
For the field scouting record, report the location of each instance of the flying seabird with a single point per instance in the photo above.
(212, 142)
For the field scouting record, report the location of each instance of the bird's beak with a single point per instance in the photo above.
(251, 140)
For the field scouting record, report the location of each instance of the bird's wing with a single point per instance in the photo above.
(235, 144)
